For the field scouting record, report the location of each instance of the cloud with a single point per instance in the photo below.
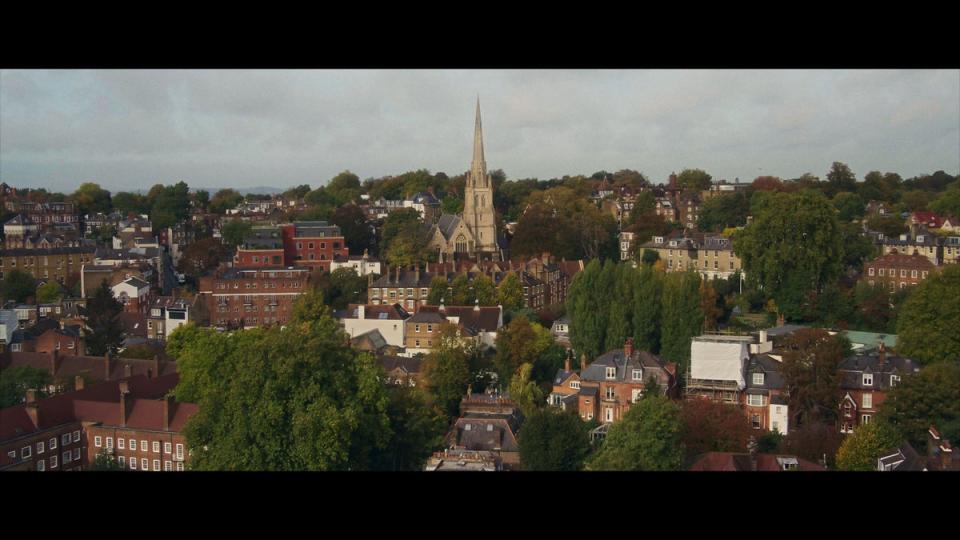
(241, 128)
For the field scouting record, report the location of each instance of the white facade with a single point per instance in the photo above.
(390, 329)
(362, 267)
(8, 323)
(779, 418)
(128, 289)
(716, 358)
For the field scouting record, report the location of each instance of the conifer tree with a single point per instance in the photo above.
(647, 304)
(682, 318)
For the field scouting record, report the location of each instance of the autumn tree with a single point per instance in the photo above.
(813, 441)
(809, 369)
(90, 198)
(510, 292)
(695, 179)
(525, 391)
(523, 342)
(710, 426)
(202, 256)
(928, 321)
(344, 188)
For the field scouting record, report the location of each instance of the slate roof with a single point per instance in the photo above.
(375, 338)
(425, 197)
(770, 367)
(19, 219)
(393, 312)
(136, 282)
(91, 367)
(908, 458)
(426, 317)
(730, 461)
(315, 229)
(408, 279)
(23, 252)
(409, 365)
(481, 318)
(447, 224)
(651, 365)
(852, 368)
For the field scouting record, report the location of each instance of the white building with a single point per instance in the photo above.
(362, 265)
(132, 288)
(389, 320)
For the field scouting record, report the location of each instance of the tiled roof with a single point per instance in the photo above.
(902, 260)
(92, 367)
(482, 318)
(410, 365)
(729, 461)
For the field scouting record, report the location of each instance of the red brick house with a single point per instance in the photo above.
(864, 382)
(241, 298)
(63, 432)
(898, 270)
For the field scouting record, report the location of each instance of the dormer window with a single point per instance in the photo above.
(575, 385)
(868, 379)
(638, 374)
(758, 379)
(894, 379)
(611, 373)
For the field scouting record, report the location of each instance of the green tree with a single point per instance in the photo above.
(438, 291)
(920, 400)
(525, 391)
(447, 372)
(888, 225)
(849, 206)
(521, 342)
(695, 179)
(724, 211)
(948, 202)
(860, 450)
(587, 305)
(417, 430)
(298, 192)
(234, 231)
(840, 178)
(928, 321)
(462, 295)
(647, 438)
(224, 200)
(510, 292)
(792, 247)
(484, 290)
(809, 369)
(353, 225)
(813, 441)
(91, 198)
(344, 188)
(169, 205)
(403, 226)
(127, 203)
(102, 320)
(49, 293)
(202, 256)
(681, 316)
(18, 286)
(272, 399)
(15, 381)
(105, 462)
(552, 440)
(620, 325)
(201, 199)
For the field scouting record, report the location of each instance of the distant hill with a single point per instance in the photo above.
(259, 190)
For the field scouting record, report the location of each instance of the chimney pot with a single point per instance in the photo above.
(78, 383)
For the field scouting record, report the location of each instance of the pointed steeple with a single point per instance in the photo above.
(478, 167)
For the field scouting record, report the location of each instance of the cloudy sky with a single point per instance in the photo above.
(128, 130)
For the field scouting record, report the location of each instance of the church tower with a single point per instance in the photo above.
(478, 197)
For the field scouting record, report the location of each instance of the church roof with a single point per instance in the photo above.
(448, 224)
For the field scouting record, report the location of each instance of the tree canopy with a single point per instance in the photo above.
(860, 450)
(921, 400)
(647, 438)
(102, 320)
(928, 321)
(552, 440)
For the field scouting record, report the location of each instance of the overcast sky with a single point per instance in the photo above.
(128, 130)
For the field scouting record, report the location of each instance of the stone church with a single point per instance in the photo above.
(472, 234)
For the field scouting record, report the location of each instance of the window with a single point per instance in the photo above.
(758, 379)
(881, 272)
(40, 447)
(755, 400)
(144, 464)
(180, 466)
(166, 448)
(76, 454)
(871, 271)
(913, 273)
(120, 442)
(846, 409)
(611, 373)
(65, 439)
(53, 443)
(868, 379)
(636, 394)
(416, 328)
(66, 457)
(903, 273)
(865, 419)
(575, 385)
(156, 465)
(755, 421)
(638, 374)
(133, 445)
(429, 328)
(53, 462)
(25, 452)
(167, 466)
(122, 460)
(143, 445)
(608, 412)
(41, 466)
(133, 463)
(894, 379)
(180, 452)
(156, 447)
(868, 401)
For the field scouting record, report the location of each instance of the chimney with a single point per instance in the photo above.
(33, 408)
(78, 383)
(882, 362)
(628, 348)
(167, 410)
(124, 390)
(361, 311)
(106, 366)
(476, 305)
(417, 274)
(763, 336)
(566, 363)
(398, 274)
(156, 364)
(583, 361)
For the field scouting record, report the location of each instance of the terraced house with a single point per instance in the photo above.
(711, 255)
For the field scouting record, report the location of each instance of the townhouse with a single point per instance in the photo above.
(865, 380)
(243, 298)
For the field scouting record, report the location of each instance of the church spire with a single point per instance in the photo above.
(478, 168)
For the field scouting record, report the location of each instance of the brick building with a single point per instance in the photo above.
(54, 263)
(261, 248)
(313, 243)
(243, 298)
(898, 270)
(487, 423)
(409, 288)
(47, 216)
(865, 380)
(67, 431)
(91, 369)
